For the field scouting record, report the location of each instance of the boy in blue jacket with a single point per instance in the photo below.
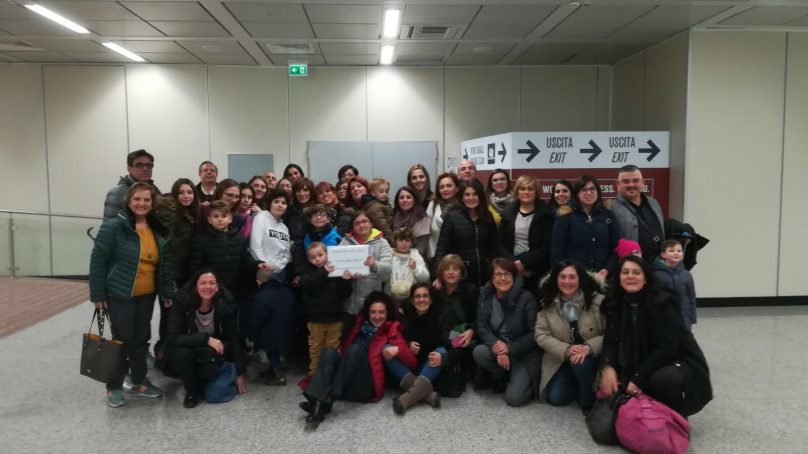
(670, 272)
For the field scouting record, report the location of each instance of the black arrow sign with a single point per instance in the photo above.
(465, 154)
(652, 152)
(533, 151)
(593, 152)
(502, 152)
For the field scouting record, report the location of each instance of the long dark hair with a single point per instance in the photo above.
(410, 218)
(262, 201)
(190, 287)
(379, 297)
(562, 182)
(483, 213)
(304, 183)
(191, 212)
(293, 166)
(549, 290)
(617, 292)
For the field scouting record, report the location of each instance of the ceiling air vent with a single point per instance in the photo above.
(436, 32)
(19, 46)
(292, 48)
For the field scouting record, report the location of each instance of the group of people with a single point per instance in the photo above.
(538, 301)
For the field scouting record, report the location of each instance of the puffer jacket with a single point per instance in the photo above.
(379, 214)
(227, 254)
(474, 241)
(680, 280)
(388, 333)
(322, 295)
(116, 255)
(589, 239)
(553, 334)
(381, 251)
(183, 332)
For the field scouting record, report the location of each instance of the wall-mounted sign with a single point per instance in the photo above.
(298, 70)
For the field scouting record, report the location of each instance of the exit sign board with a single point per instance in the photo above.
(298, 70)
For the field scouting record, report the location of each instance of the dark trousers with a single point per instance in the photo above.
(571, 382)
(272, 318)
(669, 384)
(131, 323)
(346, 378)
(181, 363)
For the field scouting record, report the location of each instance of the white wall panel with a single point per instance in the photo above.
(734, 150)
(248, 113)
(406, 104)
(793, 238)
(22, 147)
(168, 116)
(329, 104)
(480, 102)
(559, 98)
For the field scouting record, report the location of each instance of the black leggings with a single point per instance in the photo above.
(181, 363)
(344, 378)
(669, 384)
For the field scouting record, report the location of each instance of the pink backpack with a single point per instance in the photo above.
(647, 426)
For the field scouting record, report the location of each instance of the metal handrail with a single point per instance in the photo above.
(11, 228)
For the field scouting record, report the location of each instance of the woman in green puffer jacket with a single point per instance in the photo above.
(130, 265)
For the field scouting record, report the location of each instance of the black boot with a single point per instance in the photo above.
(308, 406)
(318, 412)
(190, 400)
(482, 380)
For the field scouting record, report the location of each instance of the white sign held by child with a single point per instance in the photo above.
(351, 258)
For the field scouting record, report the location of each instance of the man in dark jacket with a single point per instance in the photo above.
(639, 216)
(140, 165)
(208, 173)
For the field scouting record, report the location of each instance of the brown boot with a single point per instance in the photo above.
(433, 399)
(419, 391)
(406, 382)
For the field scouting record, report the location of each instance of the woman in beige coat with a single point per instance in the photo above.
(569, 329)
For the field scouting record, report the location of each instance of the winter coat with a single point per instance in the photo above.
(420, 230)
(626, 217)
(228, 255)
(115, 196)
(429, 330)
(537, 259)
(402, 276)
(661, 340)
(679, 280)
(469, 296)
(553, 335)
(589, 239)
(201, 196)
(436, 215)
(322, 295)
(388, 333)
(519, 311)
(183, 332)
(116, 256)
(329, 236)
(381, 252)
(379, 214)
(270, 242)
(474, 241)
(181, 236)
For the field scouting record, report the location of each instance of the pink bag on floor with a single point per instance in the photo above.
(647, 426)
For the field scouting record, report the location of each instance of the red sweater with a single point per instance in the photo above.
(388, 333)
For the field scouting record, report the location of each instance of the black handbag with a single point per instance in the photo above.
(601, 417)
(101, 359)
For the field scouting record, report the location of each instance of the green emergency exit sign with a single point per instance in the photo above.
(298, 70)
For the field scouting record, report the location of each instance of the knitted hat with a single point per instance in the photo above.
(624, 247)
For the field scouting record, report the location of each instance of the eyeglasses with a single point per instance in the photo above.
(589, 190)
(321, 214)
(232, 195)
(143, 165)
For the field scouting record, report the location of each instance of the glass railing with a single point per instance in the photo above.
(45, 244)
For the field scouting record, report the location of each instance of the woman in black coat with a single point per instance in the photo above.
(470, 232)
(585, 231)
(525, 232)
(646, 347)
(202, 335)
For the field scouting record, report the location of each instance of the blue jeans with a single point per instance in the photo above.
(573, 381)
(399, 370)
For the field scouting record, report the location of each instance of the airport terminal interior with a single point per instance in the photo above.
(726, 82)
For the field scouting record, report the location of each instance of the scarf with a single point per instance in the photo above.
(499, 203)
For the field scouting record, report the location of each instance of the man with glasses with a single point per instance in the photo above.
(208, 174)
(639, 216)
(140, 165)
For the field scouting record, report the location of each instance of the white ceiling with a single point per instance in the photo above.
(348, 32)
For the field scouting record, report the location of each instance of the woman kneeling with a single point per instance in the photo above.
(202, 336)
(428, 339)
(570, 331)
(356, 372)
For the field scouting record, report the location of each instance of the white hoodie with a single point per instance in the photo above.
(270, 242)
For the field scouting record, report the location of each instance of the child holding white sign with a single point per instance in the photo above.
(408, 266)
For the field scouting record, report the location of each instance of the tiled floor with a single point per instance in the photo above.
(757, 356)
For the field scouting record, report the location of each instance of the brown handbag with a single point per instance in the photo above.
(101, 359)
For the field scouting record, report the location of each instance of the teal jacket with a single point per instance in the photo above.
(116, 254)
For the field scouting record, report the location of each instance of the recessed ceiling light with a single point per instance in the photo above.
(391, 23)
(482, 49)
(59, 19)
(387, 55)
(126, 53)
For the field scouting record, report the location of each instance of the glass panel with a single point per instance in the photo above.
(32, 245)
(72, 246)
(5, 249)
